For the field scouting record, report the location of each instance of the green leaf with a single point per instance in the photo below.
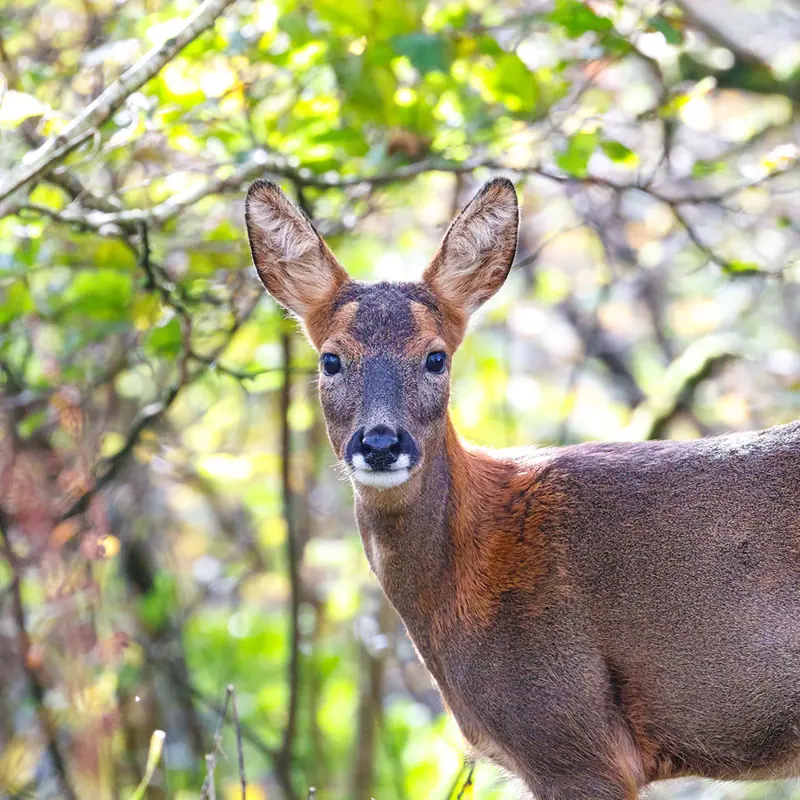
(156, 605)
(575, 159)
(16, 303)
(100, 294)
(665, 27)
(368, 81)
(296, 25)
(351, 18)
(742, 268)
(619, 153)
(705, 169)
(379, 19)
(577, 18)
(514, 79)
(351, 142)
(511, 82)
(164, 340)
(393, 17)
(426, 52)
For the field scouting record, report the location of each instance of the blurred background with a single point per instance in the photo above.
(171, 519)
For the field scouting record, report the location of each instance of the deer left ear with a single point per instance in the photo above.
(476, 253)
(292, 260)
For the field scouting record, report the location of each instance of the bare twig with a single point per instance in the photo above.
(109, 468)
(598, 343)
(152, 413)
(239, 751)
(122, 223)
(182, 682)
(209, 788)
(696, 239)
(680, 381)
(467, 783)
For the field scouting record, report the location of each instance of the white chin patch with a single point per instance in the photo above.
(385, 479)
(382, 479)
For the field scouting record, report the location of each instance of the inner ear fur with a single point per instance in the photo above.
(295, 265)
(478, 249)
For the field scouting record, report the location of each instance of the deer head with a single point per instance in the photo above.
(386, 348)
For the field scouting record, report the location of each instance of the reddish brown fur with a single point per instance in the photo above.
(428, 330)
(335, 327)
(512, 553)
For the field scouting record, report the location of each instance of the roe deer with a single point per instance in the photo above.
(597, 616)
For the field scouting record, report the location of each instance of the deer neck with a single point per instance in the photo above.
(411, 539)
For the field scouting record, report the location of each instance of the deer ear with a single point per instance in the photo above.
(475, 255)
(292, 260)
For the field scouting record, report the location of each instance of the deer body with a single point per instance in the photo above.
(638, 633)
(596, 617)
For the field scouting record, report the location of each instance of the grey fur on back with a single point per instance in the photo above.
(686, 560)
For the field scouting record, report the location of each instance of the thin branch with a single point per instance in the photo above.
(56, 149)
(739, 49)
(119, 222)
(681, 379)
(59, 176)
(697, 240)
(467, 783)
(239, 751)
(152, 413)
(599, 344)
(209, 787)
(109, 468)
(243, 374)
(167, 666)
(259, 164)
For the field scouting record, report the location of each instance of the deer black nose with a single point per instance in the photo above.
(380, 447)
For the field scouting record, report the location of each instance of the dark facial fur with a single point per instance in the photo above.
(383, 334)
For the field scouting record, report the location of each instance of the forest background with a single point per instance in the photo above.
(171, 520)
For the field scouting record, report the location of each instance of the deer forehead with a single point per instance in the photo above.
(401, 319)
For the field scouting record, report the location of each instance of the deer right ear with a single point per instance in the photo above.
(295, 265)
(475, 255)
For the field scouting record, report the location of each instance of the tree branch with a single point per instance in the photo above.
(208, 789)
(149, 415)
(681, 379)
(57, 148)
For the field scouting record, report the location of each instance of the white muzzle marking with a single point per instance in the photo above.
(396, 475)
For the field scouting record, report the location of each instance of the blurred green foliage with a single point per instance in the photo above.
(150, 394)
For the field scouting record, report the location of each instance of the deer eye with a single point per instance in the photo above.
(331, 364)
(436, 361)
